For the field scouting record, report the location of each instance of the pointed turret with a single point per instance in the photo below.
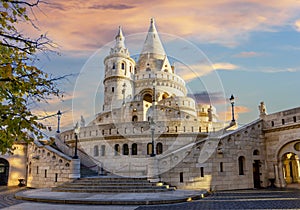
(152, 43)
(153, 56)
(120, 39)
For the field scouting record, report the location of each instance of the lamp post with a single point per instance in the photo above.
(58, 120)
(232, 108)
(76, 131)
(152, 124)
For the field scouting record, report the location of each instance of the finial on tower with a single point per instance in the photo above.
(120, 39)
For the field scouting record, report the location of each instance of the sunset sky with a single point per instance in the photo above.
(252, 47)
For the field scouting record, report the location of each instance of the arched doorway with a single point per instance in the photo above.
(4, 171)
(287, 169)
(291, 170)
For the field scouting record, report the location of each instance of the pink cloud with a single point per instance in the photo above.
(86, 25)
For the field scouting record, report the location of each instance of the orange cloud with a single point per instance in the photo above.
(87, 25)
(194, 71)
(227, 115)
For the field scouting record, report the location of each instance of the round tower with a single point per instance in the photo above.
(119, 72)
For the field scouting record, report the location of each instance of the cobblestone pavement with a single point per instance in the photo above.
(7, 196)
(240, 199)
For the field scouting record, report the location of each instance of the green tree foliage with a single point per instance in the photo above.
(22, 84)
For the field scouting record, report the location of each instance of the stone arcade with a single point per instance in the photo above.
(149, 127)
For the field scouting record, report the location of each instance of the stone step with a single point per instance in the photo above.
(112, 185)
(112, 190)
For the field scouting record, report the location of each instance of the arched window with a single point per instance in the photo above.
(114, 66)
(102, 150)
(134, 149)
(149, 148)
(134, 118)
(117, 149)
(125, 149)
(96, 150)
(256, 152)
(241, 165)
(123, 66)
(159, 148)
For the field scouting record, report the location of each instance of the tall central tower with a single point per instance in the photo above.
(119, 73)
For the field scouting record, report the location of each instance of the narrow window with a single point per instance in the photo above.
(110, 131)
(183, 128)
(192, 129)
(199, 129)
(272, 123)
(56, 177)
(114, 66)
(45, 173)
(149, 148)
(102, 150)
(282, 121)
(159, 148)
(295, 119)
(96, 151)
(125, 149)
(202, 171)
(117, 149)
(134, 149)
(206, 129)
(37, 170)
(123, 66)
(241, 165)
(181, 177)
(102, 132)
(175, 128)
(221, 166)
(29, 171)
(112, 89)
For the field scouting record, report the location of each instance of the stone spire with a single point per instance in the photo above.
(120, 39)
(152, 43)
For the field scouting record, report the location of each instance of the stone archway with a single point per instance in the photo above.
(287, 168)
(4, 171)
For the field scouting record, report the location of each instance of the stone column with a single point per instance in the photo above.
(298, 170)
(281, 180)
(288, 172)
(277, 178)
(152, 172)
(74, 169)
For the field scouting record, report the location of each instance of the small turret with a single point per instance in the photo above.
(119, 72)
(120, 39)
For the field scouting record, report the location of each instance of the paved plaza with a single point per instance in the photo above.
(238, 199)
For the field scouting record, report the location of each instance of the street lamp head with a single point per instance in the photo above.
(59, 113)
(77, 128)
(231, 99)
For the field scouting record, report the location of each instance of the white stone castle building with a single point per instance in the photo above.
(149, 127)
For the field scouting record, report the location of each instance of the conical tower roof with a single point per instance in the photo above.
(152, 43)
(120, 39)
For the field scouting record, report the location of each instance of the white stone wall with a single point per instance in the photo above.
(47, 167)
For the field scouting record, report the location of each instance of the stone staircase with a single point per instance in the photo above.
(112, 185)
